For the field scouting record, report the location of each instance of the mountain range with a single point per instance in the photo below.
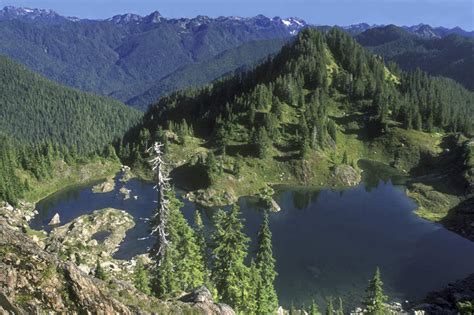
(127, 55)
(450, 56)
(137, 59)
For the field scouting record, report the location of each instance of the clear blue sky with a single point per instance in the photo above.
(447, 13)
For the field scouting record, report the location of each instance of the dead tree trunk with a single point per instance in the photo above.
(162, 186)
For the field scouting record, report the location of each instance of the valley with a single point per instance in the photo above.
(233, 165)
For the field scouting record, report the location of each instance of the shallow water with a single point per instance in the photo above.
(326, 243)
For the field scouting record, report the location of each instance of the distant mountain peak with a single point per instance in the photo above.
(126, 18)
(423, 30)
(131, 18)
(11, 12)
(154, 17)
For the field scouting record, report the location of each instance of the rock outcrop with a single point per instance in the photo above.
(212, 197)
(34, 281)
(446, 301)
(17, 217)
(347, 175)
(93, 236)
(55, 220)
(125, 192)
(104, 187)
(201, 299)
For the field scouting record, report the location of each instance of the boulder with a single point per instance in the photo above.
(202, 300)
(55, 220)
(200, 295)
(274, 206)
(347, 175)
(105, 187)
(125, 192)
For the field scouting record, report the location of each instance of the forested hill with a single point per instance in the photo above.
(322, 103)
(304, 79)
(35, 110)
(43, 123)
(451, 56)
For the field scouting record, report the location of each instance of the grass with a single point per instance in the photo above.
(30, 232)
(65, 175)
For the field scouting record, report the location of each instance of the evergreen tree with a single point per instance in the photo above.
(340, 309)
(375, 299)
(253, 285)
(237, 167)
(262, 142)
(141, 278)
(332, 130)
(277, 108)
(292, 309)
(99, 272)
(212, 167)
(182, 266)
(330, 307)
(345, 159)
(267, 298)
(221, 138)
(305, 149)
(200, 235)
(314, 310)
(229, 249)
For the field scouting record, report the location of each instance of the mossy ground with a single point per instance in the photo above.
(65, 175)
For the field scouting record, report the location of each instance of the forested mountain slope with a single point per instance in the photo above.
(197, 74)
(127, 55)
(451, 56)
(34, 110)
(42, 122)
(305, 116)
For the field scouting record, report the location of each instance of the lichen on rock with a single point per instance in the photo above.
(104, 187)
(76, 238)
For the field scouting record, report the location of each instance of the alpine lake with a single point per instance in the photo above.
(327, 243)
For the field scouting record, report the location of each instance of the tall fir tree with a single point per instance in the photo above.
(267, 298)
(200, 236)
(141, 277)
(375, 299)
(229, 249)
(330, 307)
(99, 272)
(212, 167)
(314, 310)
(340, 309)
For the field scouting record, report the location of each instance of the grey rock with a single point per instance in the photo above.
(55, 220)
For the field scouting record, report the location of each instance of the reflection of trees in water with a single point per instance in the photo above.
(375, 172)
(303, 198)
(67, 195)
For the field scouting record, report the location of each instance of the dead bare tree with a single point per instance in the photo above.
(162, 186)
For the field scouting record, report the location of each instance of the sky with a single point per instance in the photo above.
(448, 13)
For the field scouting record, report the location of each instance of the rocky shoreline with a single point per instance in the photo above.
(41, 273)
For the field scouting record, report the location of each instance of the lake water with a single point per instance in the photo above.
(326, 242)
